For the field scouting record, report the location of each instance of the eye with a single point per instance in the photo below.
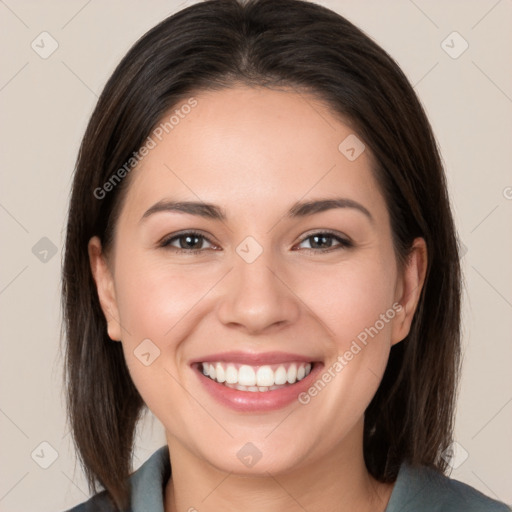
(189, 241)
(324, 242)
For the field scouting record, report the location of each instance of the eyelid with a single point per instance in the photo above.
(166, 240)
(343, 240)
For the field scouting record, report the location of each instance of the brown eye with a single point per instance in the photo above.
(325, 241)
(189, 241)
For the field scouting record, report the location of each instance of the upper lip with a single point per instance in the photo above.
(254, 359)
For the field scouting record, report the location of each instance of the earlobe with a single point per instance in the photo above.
(105, 287)
(409, 291)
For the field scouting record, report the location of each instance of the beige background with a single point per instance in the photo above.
(45, 104)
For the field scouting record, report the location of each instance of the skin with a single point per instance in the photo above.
(254, 152)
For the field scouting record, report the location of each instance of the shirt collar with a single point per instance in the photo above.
(148, 482)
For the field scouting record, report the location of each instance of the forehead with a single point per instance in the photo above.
(247, 147)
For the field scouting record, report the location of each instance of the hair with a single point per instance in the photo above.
(219, 44)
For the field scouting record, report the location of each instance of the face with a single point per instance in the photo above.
(251, 239)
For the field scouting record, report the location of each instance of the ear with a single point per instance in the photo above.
(105, 286)
(409, 288)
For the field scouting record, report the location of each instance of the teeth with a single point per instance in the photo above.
(219, 372)
(265, 376)
(281, 376)
(231, 374)
(292, 374)
(256, 378)
(246, 376)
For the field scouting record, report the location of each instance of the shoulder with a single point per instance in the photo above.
(147, 484)
(98, 503)
(424, 489)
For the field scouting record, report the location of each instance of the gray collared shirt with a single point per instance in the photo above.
(416, 490)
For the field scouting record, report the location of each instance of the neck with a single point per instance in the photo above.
(337, 481)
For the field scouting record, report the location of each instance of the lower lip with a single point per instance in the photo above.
(258, 401)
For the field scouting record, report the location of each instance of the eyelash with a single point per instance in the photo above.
(342, 242)
(166, 242)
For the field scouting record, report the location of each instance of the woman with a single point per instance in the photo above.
(260, 249)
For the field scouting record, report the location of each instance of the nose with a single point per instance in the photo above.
(256, 297)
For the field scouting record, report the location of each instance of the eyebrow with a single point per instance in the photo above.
(211, 211)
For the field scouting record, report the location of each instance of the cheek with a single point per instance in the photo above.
(350, 298)
(157, 306)
(355, 304)
(153, 298)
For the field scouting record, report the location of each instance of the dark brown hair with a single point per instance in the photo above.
(267, 43)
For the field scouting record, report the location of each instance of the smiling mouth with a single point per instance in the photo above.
(260, 379)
